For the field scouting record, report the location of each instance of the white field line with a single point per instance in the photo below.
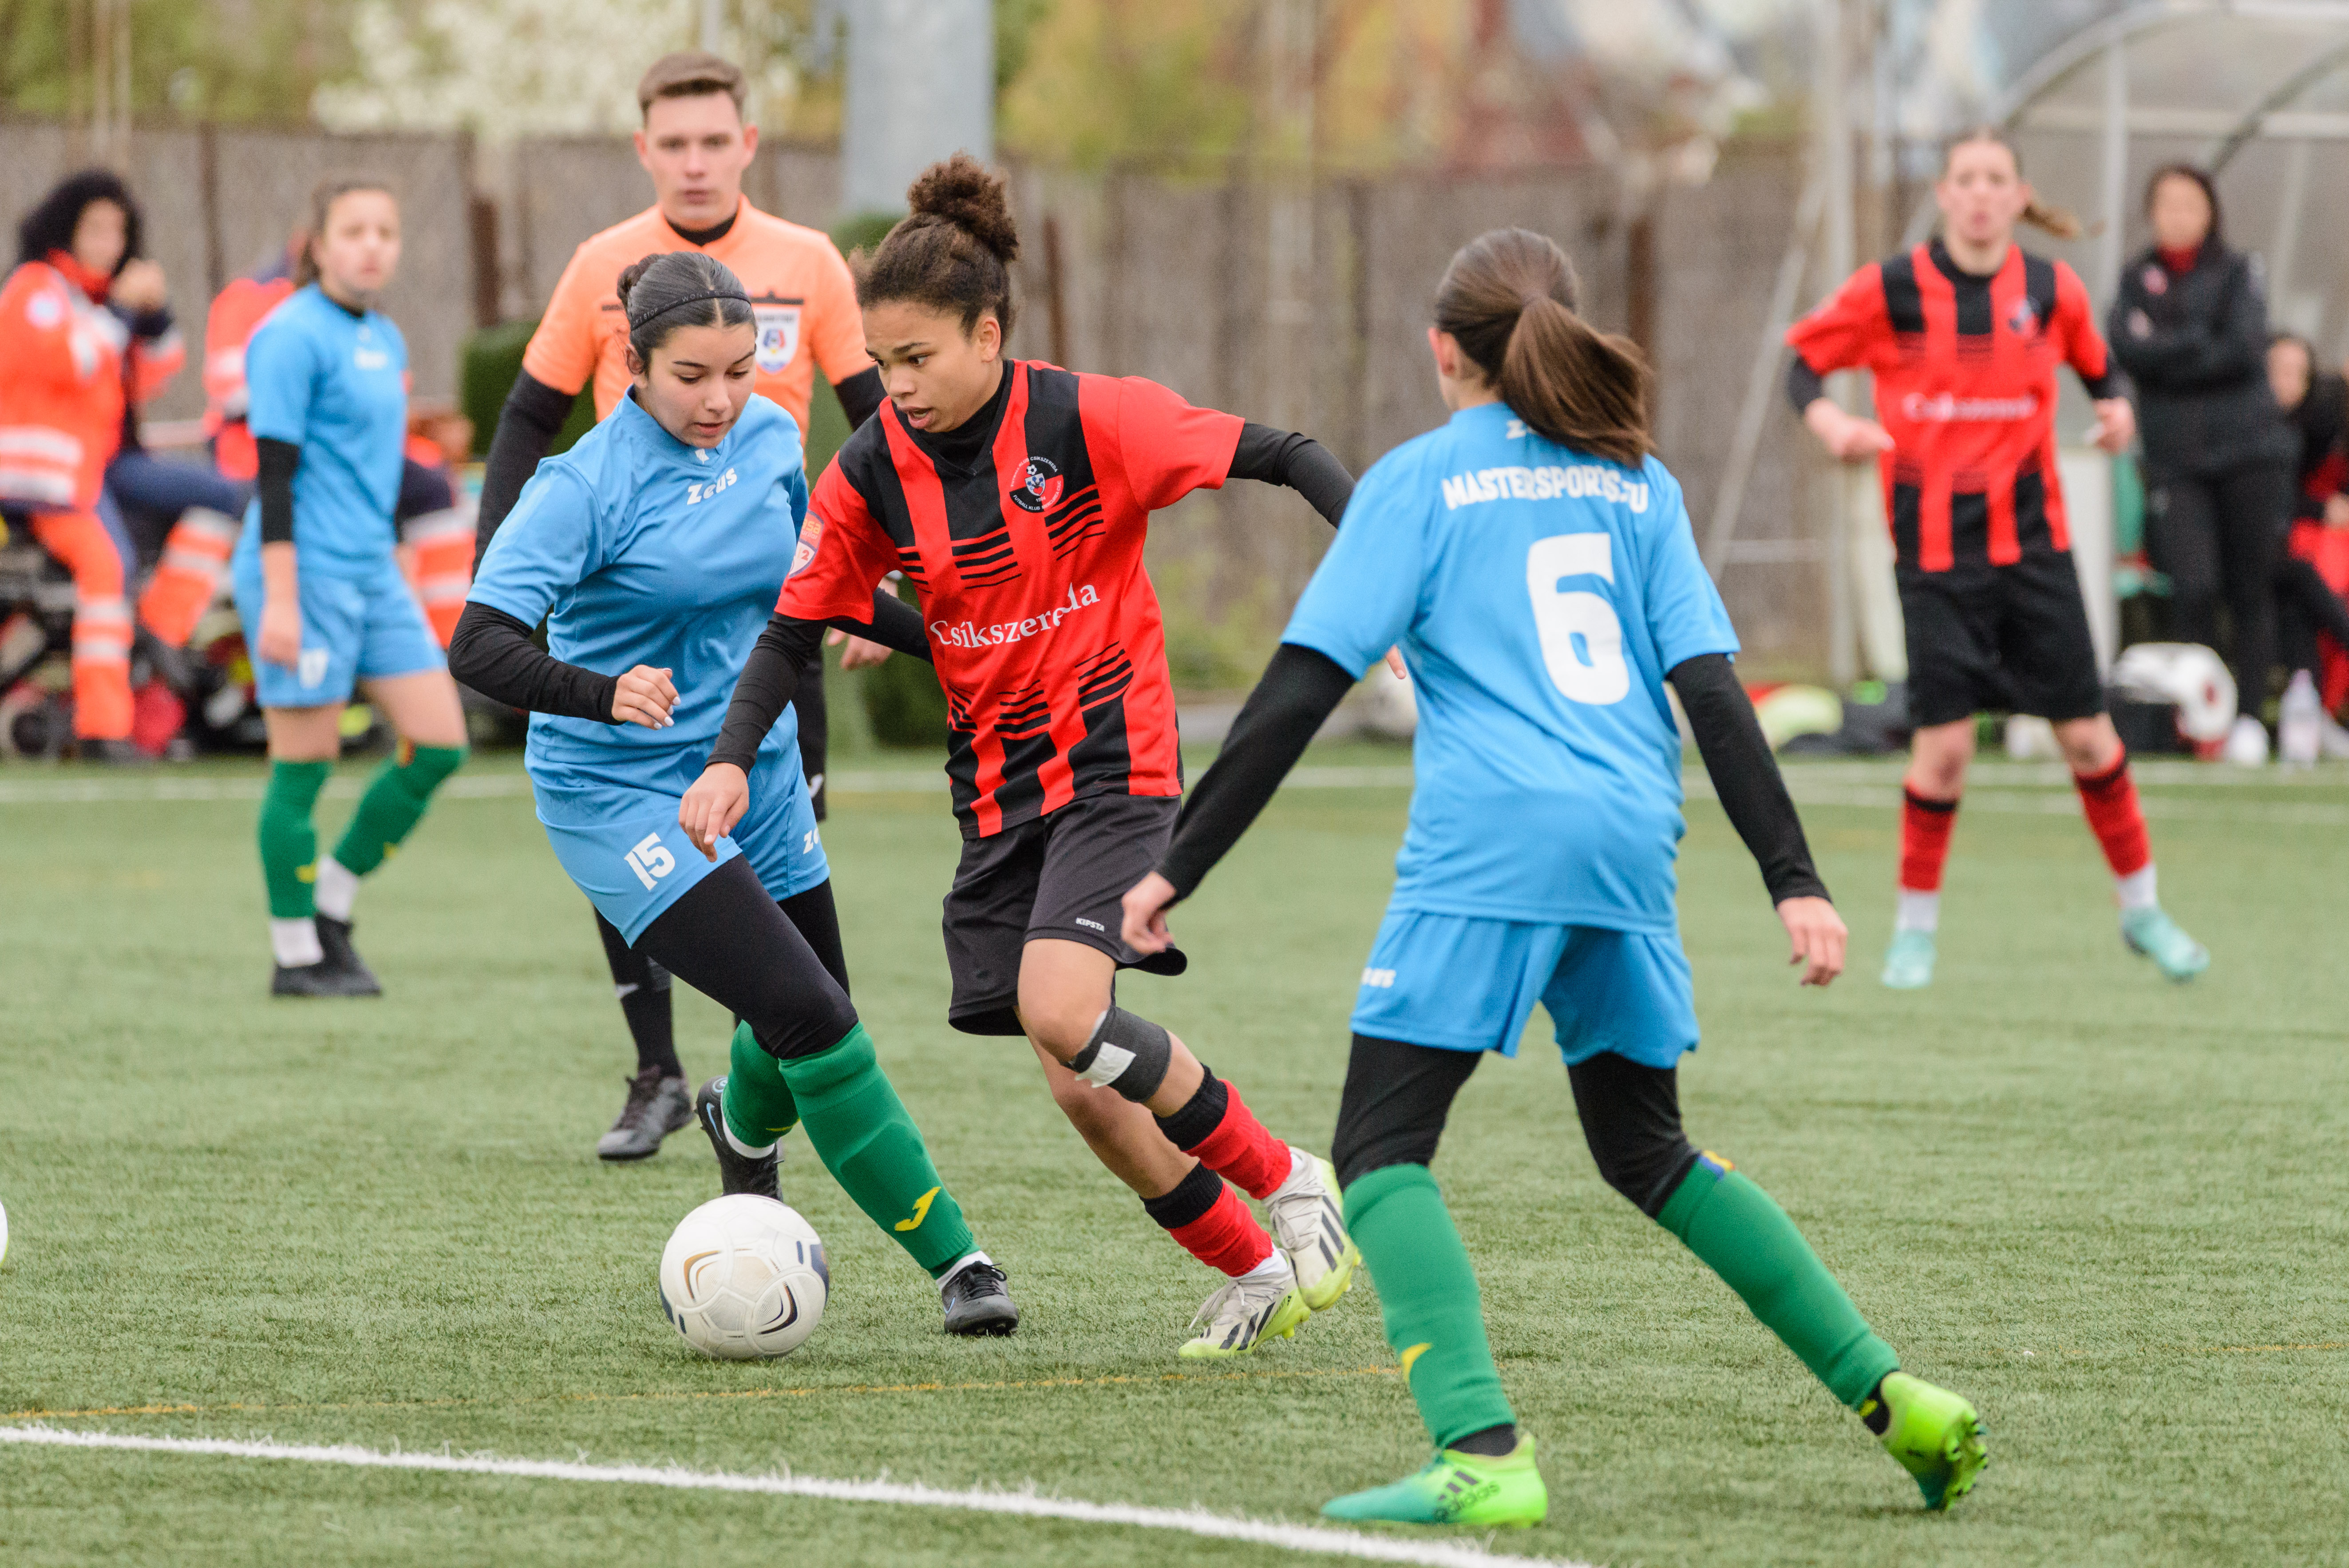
(1029, 1504)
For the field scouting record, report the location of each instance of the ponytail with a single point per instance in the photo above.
(1508, 299)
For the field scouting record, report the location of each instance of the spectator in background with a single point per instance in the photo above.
(2310, 572)
(85, 335)
(2189, 327)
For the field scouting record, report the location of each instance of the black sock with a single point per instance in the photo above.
(652, 1024)
(1874, 1413)
(1492, 1444)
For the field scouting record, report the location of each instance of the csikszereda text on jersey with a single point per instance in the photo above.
(1044, 627)
(1540, 596)
(1965, 385)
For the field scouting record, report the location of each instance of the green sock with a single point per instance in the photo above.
(395, 799)
(1748, 1241)
(862, 1135)
(759, 1106)
(1435, 1320)
(289, 841)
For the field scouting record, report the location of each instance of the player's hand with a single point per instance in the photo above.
(714, 804)
(1396, 667)
(1847, 437)
(139, 286)
(280, 641)
(1146, 903)
(2336, 511)
(644, 696)
(2115, 425)
(1818, 936)
(855, 652)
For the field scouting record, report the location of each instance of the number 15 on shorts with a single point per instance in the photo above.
(650, 860)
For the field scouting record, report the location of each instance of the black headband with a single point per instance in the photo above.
(692, 299)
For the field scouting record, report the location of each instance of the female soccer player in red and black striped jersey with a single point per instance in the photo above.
(1964, 335)
(1016, 496)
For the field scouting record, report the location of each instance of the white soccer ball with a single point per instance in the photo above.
(744, 1278)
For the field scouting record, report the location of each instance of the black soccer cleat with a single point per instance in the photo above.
(978, 1303)
(737, 1173)
(321, 979)
(334, 941)
(655, 1107)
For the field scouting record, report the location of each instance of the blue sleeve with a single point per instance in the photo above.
(281, 366)
(1365, 594)
(798, 494)
(1685, 615)
(550, 544)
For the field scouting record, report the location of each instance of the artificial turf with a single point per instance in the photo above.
(2110, 1210)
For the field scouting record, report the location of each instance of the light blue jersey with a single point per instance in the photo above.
(641, 550)
(1539, 595)
(335, 384)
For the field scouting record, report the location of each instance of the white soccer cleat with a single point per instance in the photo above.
(2247, 743)
(1246, 1312)
(1310, 1229)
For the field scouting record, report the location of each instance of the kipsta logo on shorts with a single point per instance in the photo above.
(1040, 486)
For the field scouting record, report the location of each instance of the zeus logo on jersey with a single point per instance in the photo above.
(969, 635)
(695, 494)
(1581, 482)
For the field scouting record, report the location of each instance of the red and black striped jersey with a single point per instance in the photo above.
(1043, 624)
(1965, 383)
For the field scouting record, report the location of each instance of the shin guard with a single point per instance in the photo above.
(1218, 1127)
(394, 803)
(2109, 798)
(1434, 1318)
(1125, 1053)
(861, 1133)
(1925, 828)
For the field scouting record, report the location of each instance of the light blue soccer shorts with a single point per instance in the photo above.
(625, 850)
(352, 629)
(1464, 983)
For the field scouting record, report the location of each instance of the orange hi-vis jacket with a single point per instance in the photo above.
(800, 290)
(64, 389)
(239, 308)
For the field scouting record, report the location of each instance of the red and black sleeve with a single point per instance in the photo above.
(1845, 333)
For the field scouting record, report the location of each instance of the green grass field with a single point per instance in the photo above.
(2110, 1210)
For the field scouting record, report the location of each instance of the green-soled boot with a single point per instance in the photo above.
(1909, 961)
(1475, 1490)
(1936, 1436)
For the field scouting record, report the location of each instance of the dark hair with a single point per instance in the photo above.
(690, 73)
(2059, 222)
(954, 251)
(50, 226)
(1508, 297)
(679, 288)
(322, 204)
(2202, 181)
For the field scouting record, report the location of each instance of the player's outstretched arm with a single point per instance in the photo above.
(1300, 688)
(1746, 778)
(1297, 462)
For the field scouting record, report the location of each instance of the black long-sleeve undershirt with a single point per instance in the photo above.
(275, 484)
(492, 652)
(1302, 687)
(1297, 462)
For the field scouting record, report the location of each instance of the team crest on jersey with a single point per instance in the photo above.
(779, 336)
(1040, 486)
(2024, 319)
(811, 535)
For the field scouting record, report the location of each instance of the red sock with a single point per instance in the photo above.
(2110, 799)
(1212, 1223)
(1218, 1128)
(1925, 827)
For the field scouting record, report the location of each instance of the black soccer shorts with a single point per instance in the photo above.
(2000, 639)
(1064, 876)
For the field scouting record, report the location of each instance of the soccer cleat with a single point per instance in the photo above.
(655, 1107)
(1311, 1229)
(1456, 1489)
(977, 1303)
(737, 1171)
(2246, 745)
(1935, 1435)
(1245, 1312)
(2151, 932)
(335, 941)
(1909, 961)
(321, 979)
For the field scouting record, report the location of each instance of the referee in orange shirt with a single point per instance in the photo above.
(694, 145)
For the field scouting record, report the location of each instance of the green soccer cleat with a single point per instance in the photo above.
(1456, 1489)
(1935, 1435)
(2151, 932)
(1909, 961)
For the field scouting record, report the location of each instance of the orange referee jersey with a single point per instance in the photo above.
(799, 287)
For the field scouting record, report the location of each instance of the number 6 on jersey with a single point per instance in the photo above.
(1581, 639)
(650, 860)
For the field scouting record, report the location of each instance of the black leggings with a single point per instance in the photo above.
(811, 912)
(778, 967)
(1398, 1096)
(2305, 605)
(2216, 536)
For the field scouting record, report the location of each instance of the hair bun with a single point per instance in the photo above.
(963, 192)
(631, 274)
